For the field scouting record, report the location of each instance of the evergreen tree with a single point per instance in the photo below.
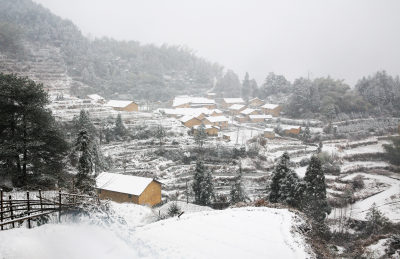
(393, 151)
(84, 123)
(119, 129)
(274, 84)
(229, 85)
(237, 191)
(202, 185)
(375, 220)
(306, 135)
(197, 181)
(84, 178)
(200, 135)
(160, 133)
(246, 87)
(289, 189)
(314, 201)
(31, 142)
(279, 173)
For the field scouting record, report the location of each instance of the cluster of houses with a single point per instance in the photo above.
(217, 114)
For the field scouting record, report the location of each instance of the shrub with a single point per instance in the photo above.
(174, 209)
(358, 183)
(393, 246)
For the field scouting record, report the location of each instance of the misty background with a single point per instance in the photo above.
(343, 39)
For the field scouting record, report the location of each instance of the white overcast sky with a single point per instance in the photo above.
(345, 39)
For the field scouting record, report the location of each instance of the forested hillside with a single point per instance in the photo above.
(116, 69)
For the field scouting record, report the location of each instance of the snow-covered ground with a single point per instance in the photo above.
(233, 233)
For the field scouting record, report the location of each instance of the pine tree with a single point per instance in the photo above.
(119, 129)
(375, 220)
(246, 90)
(306, 136)
(289, 189)
(393, 151)
(84, 123)
(160, 134)
(197, 181)
(200, 136)
(84, 178)
(314, 200)
(202, 185)
(31, 142)
(237, 191)
(279, 173)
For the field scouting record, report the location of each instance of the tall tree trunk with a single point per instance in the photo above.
(25, 151)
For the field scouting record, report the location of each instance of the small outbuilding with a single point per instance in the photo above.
(118, 105)
(269, 133)
(128, 188)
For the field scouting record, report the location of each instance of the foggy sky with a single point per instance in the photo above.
(346, 39)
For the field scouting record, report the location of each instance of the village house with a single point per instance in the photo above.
(288, 129)
(185, 101)
(128, 188)
(255, 102)
(256, 118)
(249, 111)
(128, 106)
(96, 98)
(241, 118)
(216, 112)
(220, 121)
(209, 129)
(235, 109)
(269, 133)
(272, 109)
(226, 102)
(190, 121)
(206, 121)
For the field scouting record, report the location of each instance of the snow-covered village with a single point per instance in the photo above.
(124, 147)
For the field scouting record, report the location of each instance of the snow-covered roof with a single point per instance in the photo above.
(206, 127)
(187, 111)
(95, 97)
(216, 111)
(233, 100)
(118, 103)
(217, 118)
(247, 111)
(260, 116)
(129, 184)
(270, 106)
(184, 99)
(269, 130)
(236, 107)
(186, 118)
(255, 99)
(288, 127)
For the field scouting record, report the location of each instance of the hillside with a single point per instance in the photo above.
(36, 43)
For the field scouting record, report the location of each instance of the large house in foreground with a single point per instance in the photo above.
(128, 188)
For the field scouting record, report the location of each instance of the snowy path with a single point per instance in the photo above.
(383, 199)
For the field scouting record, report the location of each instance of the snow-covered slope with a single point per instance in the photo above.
(231, 233)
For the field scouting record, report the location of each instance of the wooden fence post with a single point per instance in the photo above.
(11, 210)
(59, 205)
(28, 208)
(40, 200)
(1, 207)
